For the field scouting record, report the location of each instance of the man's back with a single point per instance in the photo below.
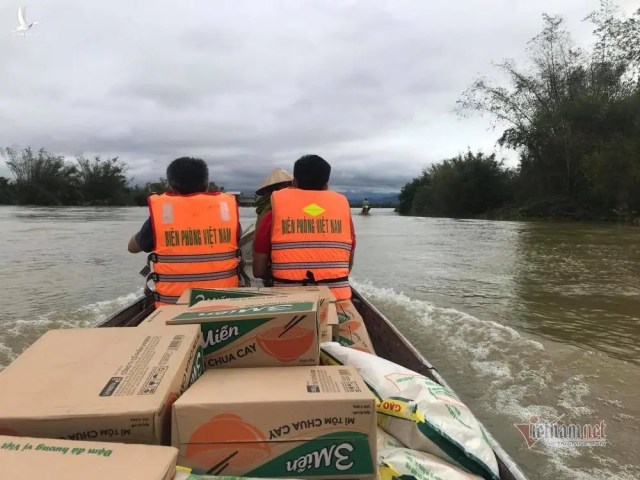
(193, 234)
(312, 238)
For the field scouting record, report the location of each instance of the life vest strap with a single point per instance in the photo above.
(146, 270)
(308, 265)
(204, 257)
(311, 280)
(192, 277)
(316, 244)
(165, 298)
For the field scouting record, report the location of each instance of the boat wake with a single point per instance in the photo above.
(17, 335)
(502, 374)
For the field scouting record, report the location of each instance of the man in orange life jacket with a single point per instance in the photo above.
(193, 234)
(308, 237)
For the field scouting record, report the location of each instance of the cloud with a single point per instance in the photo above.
(250, 85)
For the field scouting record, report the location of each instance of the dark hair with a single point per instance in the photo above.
(311, 172)
(188, 175)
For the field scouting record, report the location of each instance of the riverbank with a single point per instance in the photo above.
(554, 209)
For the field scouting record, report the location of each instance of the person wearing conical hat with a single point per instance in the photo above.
(277, 180)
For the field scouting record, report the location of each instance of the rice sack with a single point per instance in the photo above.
(384, 440)
(419, 412)
(406, 464)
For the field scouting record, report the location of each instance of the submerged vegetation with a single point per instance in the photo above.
(572, 116)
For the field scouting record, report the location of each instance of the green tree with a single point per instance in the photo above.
(102, 181)
(7, 194)
(464, 186)
(408, 193)
(573, 116)
(42, 178)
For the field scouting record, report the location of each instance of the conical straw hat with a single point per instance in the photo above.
(276, 177)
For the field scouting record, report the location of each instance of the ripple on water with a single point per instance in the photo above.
(504, 377)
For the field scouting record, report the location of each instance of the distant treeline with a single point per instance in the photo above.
(42, 178)
(572, 116)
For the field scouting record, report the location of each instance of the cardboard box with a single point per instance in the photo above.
(333, 321)
(302, 422)
(160, 315)
(326, 334)
(352, 331)
(323, 290)
(280, 330)
(102, 384)
(191, 296)
(25, 458)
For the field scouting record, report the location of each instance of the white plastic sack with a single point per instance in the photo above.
(384, 440)
(420, 413)
(405, 464)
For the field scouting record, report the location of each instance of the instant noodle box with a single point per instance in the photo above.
(25, 458)
(161, 314)
(100, 384)
(324, 292)
(191, 296)
(326, 334)
(351, 329)
(280, 330)
(333, 321)
(184, 473)
(300, 422)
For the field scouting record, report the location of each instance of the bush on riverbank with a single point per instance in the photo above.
(573, 117)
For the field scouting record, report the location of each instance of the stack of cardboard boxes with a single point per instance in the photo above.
(74, 397)
(280, 415)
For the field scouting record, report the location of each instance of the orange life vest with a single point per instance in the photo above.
(311, 239)
(196, 243)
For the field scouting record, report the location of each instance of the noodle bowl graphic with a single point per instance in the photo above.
(287, 346)
(211, 449)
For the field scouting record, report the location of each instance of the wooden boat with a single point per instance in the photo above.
(387, 341)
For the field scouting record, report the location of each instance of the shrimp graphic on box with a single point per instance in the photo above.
(209, 446)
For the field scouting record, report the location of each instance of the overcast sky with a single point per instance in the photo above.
(250, 85)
